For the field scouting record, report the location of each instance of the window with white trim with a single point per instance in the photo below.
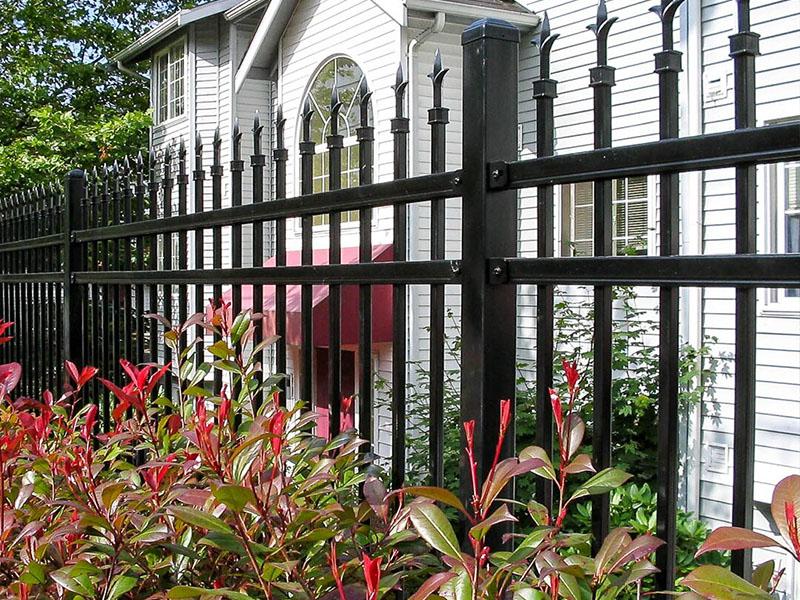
(347, 76)
(169, 71)
(783, 213)
(630, 228)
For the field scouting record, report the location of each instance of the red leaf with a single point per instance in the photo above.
(786, 509)
(432, 584)
(10, 375)
(735, 538)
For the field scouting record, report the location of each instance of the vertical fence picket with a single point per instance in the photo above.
(167, 183)
(216, 233)
(94, 289)
(141, 192)
(601, 81)
(115, 265)
(544, 93)
(744, 47)
(183, 239)
(335, 144)
(307, 258)
(366, 136)
(152, 262)
(280, 156)
(237, 168)
(198, 176)
(126, 206)
(438, 118)
(400, 130)
(72, 326)
(667, 66)
(258, 161)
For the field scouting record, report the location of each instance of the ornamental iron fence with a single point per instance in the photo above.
(82, 263)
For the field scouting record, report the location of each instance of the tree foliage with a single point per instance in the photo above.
(62, 103)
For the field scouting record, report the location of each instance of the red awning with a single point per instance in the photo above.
(381, 302)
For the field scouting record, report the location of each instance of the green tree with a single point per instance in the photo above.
(62, 103)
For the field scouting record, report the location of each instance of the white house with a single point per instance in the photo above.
(225, 59)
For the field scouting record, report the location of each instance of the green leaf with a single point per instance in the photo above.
(547, 471)
(528, 545)
(716, 583)
(605, 481)
(434, 528)
(192, 516)
(224, 541)
(235, 497)
(435, 493)
(197, 391)
(762, 575)
(538, 512)
(154, 533)
(122, 583)
(70, 583)
(239, 327)
(501, 515)
(220, 350)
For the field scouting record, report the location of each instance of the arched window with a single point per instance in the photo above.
(347, 76)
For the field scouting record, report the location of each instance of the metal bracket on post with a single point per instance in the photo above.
(498, 271)
(498, 175)
(72, 330)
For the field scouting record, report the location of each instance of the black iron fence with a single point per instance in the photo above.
(80, 266)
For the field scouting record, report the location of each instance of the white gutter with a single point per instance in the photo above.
(162, 30)
(242, 9)
(172, 24)
(524, 20)
(252, 51)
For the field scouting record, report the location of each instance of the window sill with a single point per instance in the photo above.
(159, 127)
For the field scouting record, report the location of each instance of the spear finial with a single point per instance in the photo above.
(280, 122)
(336, 106)
(601, 28)
(237, 140)
(399, 87)
(437, 76)
(364, 97)
(545, 43)
(308, 113)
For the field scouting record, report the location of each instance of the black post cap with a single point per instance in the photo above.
(490, 28)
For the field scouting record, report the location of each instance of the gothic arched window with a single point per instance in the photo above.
(347, 76)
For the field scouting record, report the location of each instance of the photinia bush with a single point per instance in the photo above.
(197, 494)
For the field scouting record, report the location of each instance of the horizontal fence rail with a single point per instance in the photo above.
(81, 265)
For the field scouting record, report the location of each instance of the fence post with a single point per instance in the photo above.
(72, 333)
(490, 50)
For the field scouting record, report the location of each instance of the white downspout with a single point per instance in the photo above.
(123, 69)
(413, 210)
(436, 27)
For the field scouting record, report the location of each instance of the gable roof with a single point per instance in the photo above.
(279, 12)
(230, 8)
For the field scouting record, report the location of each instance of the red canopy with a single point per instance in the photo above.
(381, 302)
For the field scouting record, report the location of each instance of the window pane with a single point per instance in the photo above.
(176, 77)
(162, 95)
(637, 187)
